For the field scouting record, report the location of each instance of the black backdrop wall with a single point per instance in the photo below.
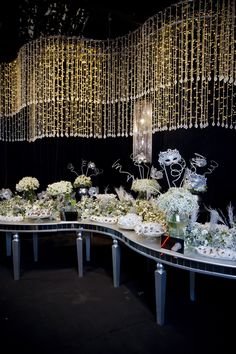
(47, 159)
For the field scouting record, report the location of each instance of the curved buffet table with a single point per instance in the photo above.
(190, 260)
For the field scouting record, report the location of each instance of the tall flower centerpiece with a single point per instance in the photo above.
(191, 175)
(62, 192)
(178, 204)
(145, 187)
(83, 181)
(27, 186)
(146, 184)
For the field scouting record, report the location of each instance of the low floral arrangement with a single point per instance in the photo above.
(27, 184)
(44, 206)
(108, 204)
(150, 211)
(82, 181)
(216, 238)
(203, 235)
(145, 185)
(59, 188)
(86, 207)
(104, 205)
(219, 241)
(15, 206)
(177, 200)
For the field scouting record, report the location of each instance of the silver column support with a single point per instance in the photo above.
(35, 246)
(16, 256)
(116, 263)
(79, 246)
(160, 293)
(87, 245)
(192, 286)
(8, 243)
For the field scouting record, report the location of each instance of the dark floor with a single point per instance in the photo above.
(51, 310)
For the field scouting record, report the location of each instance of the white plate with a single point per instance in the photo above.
(36, 217)
(216, 252)
(104, 219)
(149, 229)
(151, 234)
(125, 227)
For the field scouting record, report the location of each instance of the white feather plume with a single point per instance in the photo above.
(123, 195)
(230, 210)
(214, 217)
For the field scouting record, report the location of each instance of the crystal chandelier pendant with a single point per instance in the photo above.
(142, 132)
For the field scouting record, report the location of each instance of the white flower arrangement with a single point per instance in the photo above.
(214, 242)
(146, 183)
(59, 188)
(177, 200)
(149, 186)
(27, 184)
(105, 205)
(149, 211)
(219, 232)
(15, 206)
(82, 180)
(86, 207)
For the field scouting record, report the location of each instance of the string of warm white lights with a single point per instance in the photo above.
(182, 60)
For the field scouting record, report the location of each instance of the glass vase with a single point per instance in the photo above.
(176, 224)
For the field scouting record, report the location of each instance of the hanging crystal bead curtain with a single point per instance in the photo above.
(182, 60)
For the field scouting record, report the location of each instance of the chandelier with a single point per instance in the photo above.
(181, 61)
(142, 132)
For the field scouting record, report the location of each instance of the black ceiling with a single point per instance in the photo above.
(24, 20)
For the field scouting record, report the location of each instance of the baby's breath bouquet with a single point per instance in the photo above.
(178, 200)
(178, 204)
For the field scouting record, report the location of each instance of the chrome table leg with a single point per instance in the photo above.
(87, 245)
(79, 246)
(116, 263)
(16, 256)
(35, 246)
(160, 293)
(8, 243)
(192, 285)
